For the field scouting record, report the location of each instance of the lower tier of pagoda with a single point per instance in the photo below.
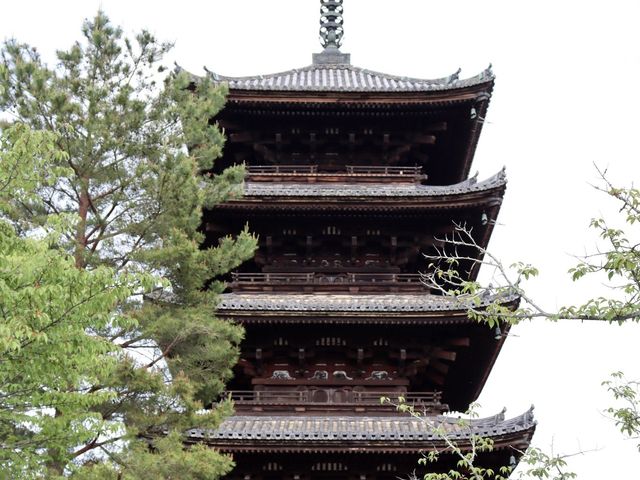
(376, 447)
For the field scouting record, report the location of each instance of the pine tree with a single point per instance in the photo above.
(127, 199)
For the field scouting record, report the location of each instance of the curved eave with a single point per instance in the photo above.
(348, 318)
(346, 78)
(371, 99)
(519, 440)
(331, 317)
(306, 197)
(269, 307)
(397, 434)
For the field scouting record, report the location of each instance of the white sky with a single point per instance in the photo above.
(566, 97)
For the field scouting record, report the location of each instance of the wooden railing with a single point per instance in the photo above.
(382, 170)
(347, 173)
(278, 169)
(324, 281)
(362, 401)
(304, 396)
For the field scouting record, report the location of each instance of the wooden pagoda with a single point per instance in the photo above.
(353, 176)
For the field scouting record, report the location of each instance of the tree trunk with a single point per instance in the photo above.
(83, 211)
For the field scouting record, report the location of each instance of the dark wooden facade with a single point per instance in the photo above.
(352, 176)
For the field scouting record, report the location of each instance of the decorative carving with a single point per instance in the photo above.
(281, 375)
(379, 375)
(331, 23)
(341, 375)
(320, 375)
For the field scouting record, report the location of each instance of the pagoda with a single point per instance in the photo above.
(352, 177)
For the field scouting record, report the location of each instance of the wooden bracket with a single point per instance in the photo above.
(301, 357)
(309, 246)
(402, 360)
(269, 247)
(259, 365)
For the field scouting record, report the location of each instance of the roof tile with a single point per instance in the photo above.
(331, 428)
(346, 302)
(291, 189)
(347, 78)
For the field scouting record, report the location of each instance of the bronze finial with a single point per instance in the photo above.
(331, 29)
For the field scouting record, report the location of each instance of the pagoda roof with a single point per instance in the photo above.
(344, 77)
(343, 432)
(315, 302)
(377, 190)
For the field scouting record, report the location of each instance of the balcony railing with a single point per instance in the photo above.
(347, 174)
(279, 169)
(353, 282)
(382, 170)
(324, 399)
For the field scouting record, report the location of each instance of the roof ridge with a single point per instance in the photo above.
(360, 79)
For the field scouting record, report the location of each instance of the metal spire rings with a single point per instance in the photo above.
(331, 23)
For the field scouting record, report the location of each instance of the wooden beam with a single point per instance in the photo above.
(259, 364)
(425, 139)
(240, 137)
(443, 354)
(301, 357)
(402, 361)
(459, 342)
(436, 127)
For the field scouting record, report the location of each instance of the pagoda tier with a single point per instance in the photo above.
(345, 351)
(344, 233)
(372, 448)
(330, 115)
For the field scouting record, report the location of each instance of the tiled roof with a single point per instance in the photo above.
(282, 189)
(394, 302)
(347, 78)
(358, 428)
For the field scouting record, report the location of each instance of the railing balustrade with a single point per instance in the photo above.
(278, 169)
(379, 170)
(323, 278)
(350, 397)
(382, 170)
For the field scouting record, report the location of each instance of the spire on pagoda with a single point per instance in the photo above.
(331, 32)
(331, 21)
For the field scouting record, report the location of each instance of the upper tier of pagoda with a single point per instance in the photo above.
(331, 114)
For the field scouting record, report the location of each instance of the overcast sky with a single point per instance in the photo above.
(566, 98)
